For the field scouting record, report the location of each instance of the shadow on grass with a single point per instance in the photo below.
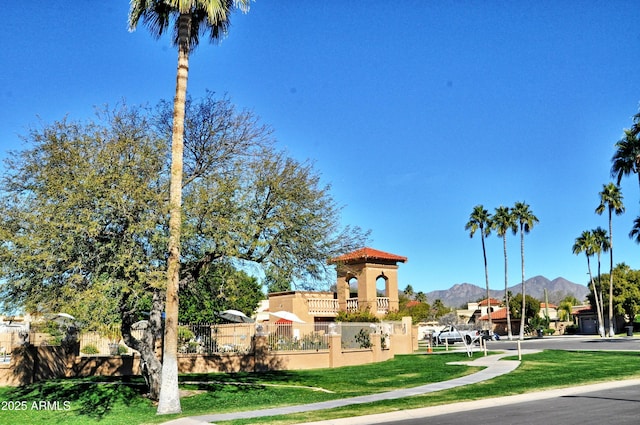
(95, 397)
(235, 381)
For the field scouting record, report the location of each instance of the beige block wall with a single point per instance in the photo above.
(41, 363)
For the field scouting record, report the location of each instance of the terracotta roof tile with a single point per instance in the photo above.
(494, 302)
(496, 315)
(367, 254)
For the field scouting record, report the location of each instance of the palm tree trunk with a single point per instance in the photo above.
(169, 400)
(486, 279)
(601, 306)
(523, 312)
(506, 287)
(611, 332)
(595, 296)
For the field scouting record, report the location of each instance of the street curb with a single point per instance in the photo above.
(425, 412)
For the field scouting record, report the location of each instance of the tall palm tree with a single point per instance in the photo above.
(626, 159)
(480, 219)
(525, 221)
(602, 245)
(587, 243)
(610, 200)
(189, 19)
(635, 231)
(503, 221)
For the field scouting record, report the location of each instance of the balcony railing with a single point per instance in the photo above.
(383, 304)
(325, 306)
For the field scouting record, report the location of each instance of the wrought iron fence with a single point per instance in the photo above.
(210, 338)
(94, 344)
(297, 336)
(207, 338)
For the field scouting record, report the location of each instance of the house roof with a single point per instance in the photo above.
(494, 302)
(496, 315)
(367, 254)
(577, 310)
(545, 305)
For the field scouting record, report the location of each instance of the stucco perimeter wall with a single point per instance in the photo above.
(32, 364)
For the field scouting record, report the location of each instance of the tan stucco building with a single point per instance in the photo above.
(367, 280)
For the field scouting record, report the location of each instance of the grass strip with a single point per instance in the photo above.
(108, 401)
(546, 370)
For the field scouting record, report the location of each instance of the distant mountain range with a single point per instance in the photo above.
(460, 294)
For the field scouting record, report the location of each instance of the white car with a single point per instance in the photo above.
(451, 334)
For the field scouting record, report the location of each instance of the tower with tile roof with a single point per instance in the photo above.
(368, 266)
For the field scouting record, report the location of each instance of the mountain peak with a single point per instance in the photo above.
(462, 293)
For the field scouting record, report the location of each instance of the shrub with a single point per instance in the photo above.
(571, 329)
(357, 316)
(185, 334)
(122, 349)
(90, 349)
(363, 339)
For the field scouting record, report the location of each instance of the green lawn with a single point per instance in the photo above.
(108, 401)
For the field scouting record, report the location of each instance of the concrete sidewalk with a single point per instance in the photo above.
(492, 367)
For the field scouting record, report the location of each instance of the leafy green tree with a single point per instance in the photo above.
(83, 219)
(611, 201)
(530, 305)
(418, 311)
(626, 291)
(503, 221)
(588, 244)
(189, 19)
(220, 287)
(480, 220)
(85, 216)
(526, 220)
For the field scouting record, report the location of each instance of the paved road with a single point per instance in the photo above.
(569, 343)
(619, 405)
(494, 368)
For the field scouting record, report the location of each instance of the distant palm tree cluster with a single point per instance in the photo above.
(625, 161)
(518, 218)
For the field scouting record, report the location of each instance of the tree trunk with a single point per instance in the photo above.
(524, 305)
(486, 279)
(595, 296)
(611, 332)
(506, 287)
(599, 295)
(169, 400)
(149, 363)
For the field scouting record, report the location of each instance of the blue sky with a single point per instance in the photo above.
(414, 111)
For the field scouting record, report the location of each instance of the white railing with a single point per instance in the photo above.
(383, 304)
(323, 306)
(352, 304)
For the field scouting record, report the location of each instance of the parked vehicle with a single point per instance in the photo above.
(451, 334)
(490, 335)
